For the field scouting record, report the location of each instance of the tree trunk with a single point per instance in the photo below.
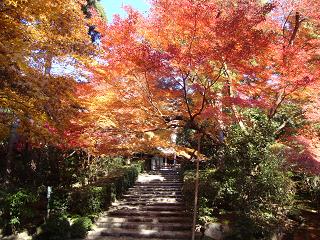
(48, 64)
(196, 191)
(234, 109)
(11, 147)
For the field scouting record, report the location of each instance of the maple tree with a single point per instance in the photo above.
(41, 42)
(32, 37)
(189, 63)
(234, 78)
(200, 63)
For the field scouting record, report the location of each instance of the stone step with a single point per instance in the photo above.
(157, 193)
(151, 198)
(148, 203)
(147, 190)
(198, 237)
(142, 219)
(119, 232)
(173, 173)
(151, 187)
(165, 176)
(156, 199)
(155, 190)
(151, 178)
(117, 238)
(164, 173)
(163, 184)
(159, 175)
(150, 195)
(164, 188)
(125, 212)
(159, 181)
(148, 208)
(164, 170)
(147, 225)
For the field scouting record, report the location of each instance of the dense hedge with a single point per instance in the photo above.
(57, 227)
(80, 227)
(87, 202)
(18, 207)
(23, 208)
(94, 198)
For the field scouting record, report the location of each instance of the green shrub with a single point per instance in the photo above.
(126, 177)
(88, 200)
(60, 201)
(110, 194)
(207, 193)
(120, 185)
(250, 181)
(139, 166)
(80, 227)
(16, 208)
(93, 199)
(21, 208)
(253, 180)
(57, 227)
(310, 189)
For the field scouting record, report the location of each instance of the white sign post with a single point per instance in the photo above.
(49, 191)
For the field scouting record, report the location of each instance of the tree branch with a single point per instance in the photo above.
(233, 107)
(280, 97)
(298, 22)
(185, 95)
(149, 95)
(284, 24)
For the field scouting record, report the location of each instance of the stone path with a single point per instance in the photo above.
(152, 209)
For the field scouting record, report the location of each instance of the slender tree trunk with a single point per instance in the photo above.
(280, 98)
(297, 25)
(234, 109)
(196, 191)
(220, 121)
(230, 93)
(11, 145)
(48, 64)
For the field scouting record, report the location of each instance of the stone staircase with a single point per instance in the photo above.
(152, 209)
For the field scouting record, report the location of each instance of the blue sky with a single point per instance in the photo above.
(114, 6)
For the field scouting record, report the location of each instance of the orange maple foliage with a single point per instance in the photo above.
(199, 63)
(34, 36)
